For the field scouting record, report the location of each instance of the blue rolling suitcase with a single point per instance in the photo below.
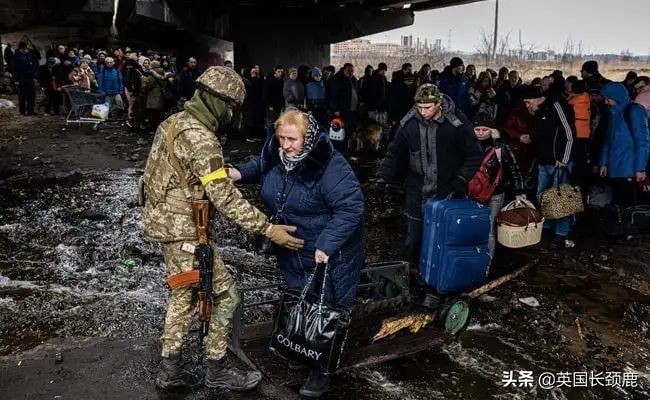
(455, 256)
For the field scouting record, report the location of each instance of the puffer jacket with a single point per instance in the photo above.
(110, 81)
(581, 104)
(324, 201)
(626, 142)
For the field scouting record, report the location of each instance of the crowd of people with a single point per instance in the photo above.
(430, 129)
(144, 84)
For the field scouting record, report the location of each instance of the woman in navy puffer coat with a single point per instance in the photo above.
(322, 198)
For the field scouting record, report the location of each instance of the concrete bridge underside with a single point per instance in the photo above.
(265, 32)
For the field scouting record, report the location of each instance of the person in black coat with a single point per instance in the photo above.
(46, 80)
(189, 74)
(377, 99)
(434, 152)
(24, 73)
(253, 107)
(344, 102)
(400, 100)
(274, 94)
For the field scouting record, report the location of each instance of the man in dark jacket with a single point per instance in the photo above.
(400, 100)
(24, 73)
(344, 102)
(377, 100)
(455, 85)
(435, 152)
(8, 56)
(554, 138)
(189, 74)
(274, 97)
(591, 75)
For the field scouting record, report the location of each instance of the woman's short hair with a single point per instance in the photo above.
(293, 116)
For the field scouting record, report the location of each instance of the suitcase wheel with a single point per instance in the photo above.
(457, 316)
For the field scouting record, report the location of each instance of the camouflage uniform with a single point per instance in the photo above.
(167, 219)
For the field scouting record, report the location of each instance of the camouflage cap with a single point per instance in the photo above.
(224, 83)
(428, 93)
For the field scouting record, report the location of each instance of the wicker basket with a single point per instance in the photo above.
(518, 235)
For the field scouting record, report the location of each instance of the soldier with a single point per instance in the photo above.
(186, 164)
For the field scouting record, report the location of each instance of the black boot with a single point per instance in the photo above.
(171, 375)
(317, 384)
(222, 374)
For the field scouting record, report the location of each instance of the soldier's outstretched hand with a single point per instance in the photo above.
(279, 234)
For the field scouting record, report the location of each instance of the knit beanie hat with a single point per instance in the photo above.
(316, 72)
(590, 67)
(484, 118)
(456, 62)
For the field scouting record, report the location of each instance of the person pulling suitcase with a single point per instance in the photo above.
(435, 152)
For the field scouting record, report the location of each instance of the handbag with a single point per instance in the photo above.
(481, 187)
(309, 331)
(561, 200)
(519, 224)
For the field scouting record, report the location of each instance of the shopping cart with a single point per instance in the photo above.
(81, 106)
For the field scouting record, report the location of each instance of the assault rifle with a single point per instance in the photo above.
(204, 255)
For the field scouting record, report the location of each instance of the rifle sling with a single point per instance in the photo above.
(181, 279)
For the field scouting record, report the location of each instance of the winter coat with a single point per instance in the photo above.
(457, 151)
(62, 75)
(626, 142)
(378, 89)
(253, 107)
(457, 87)
(110, 81)
(274, 96)
(151, 88)
(46, 78)
(294, 93)
(25, 67)
(553, 132)
(400, 100)
(581, 104)
(518, 123)
(132, 75)
(316, 96)
(325, 202)
(188, 81)
(511, 177)
(340, 96)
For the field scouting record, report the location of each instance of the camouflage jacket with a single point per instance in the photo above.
(167, 212)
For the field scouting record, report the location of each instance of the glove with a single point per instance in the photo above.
(459, 188)
(279, 234)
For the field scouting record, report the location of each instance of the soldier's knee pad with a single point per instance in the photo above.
(227, 303)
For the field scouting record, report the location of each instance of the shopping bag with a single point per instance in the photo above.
(101, 111)
(561, 200)
(309, 331)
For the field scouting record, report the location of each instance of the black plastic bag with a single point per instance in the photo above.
(309, 331)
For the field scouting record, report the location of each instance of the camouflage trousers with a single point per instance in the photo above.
(182, 307)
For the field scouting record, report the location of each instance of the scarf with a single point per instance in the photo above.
(291, 162)
(208, 109)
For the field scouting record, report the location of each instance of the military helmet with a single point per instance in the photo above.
(428, 93)
(224, 83)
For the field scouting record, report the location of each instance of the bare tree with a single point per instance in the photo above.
(485, 46)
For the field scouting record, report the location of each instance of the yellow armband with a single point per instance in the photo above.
(219, 174)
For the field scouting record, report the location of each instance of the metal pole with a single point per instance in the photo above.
(496, 30)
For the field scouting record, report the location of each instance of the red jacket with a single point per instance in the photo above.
(520, 122)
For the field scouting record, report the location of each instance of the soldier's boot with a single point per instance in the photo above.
(171, 375)
(224, 375)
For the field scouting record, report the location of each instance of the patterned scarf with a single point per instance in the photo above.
(291, 162)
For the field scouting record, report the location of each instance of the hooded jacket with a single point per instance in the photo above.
(110, 81)
(456, 87)
(626, 142)
(457, 153)
(323, 199)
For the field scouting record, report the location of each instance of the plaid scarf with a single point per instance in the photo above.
(291, 162)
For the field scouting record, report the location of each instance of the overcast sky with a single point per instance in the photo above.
(603, 26)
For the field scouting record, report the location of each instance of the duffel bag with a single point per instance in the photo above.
(561, 200)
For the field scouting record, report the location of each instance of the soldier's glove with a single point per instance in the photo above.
(279, 234)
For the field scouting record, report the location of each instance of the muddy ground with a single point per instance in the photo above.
(82, 295)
